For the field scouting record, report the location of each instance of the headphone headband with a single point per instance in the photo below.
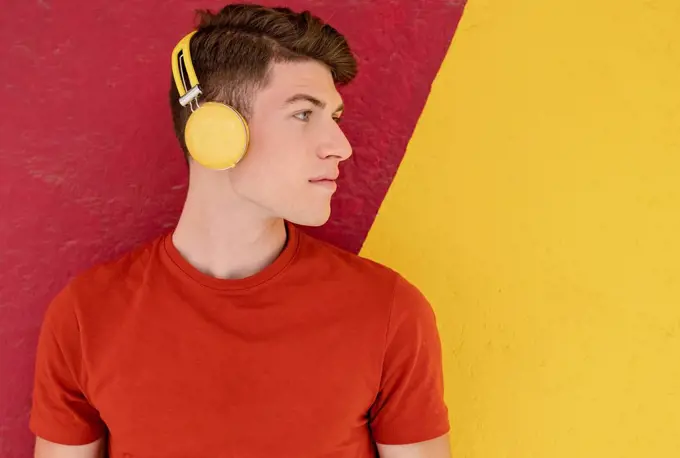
(181, 62)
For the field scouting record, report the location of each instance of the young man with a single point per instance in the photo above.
(237, 335)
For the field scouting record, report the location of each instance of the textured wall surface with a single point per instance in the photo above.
(538, 206)
(89, 164)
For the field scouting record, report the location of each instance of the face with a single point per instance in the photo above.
(296, 145)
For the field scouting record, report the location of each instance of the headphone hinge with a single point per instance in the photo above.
(190, 96)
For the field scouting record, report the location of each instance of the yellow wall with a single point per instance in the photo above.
(538, 207)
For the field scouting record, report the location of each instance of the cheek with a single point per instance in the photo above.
(272, 169)
(278, 163)
(277, 149)
(270, 138)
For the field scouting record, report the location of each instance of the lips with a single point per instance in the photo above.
(324, 178)
(325, 182)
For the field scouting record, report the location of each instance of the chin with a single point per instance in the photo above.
(315, 219)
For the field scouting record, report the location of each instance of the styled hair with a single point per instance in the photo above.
(234, 49)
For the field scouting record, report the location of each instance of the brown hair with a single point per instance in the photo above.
(232, 52)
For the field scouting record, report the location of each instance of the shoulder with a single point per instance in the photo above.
(123, 270)
(355, 271)
(333, 260)
(93, 287)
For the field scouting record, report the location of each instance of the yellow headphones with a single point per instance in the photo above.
(216, 134)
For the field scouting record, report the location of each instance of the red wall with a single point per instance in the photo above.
(89, 164)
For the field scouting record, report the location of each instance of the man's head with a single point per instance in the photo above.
(279, 69)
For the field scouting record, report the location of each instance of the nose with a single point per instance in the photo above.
(336, 144)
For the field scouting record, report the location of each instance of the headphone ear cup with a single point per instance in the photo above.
(217, 136)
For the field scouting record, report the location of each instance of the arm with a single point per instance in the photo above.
(63, 420)
(47, 449)
(409, 417)
(434, 448)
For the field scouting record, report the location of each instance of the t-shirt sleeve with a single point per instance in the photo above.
(60, 410)
(410, 405)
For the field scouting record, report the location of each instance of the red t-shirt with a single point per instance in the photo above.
(318, 355)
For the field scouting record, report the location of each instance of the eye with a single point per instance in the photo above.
(303, 116)
(337, 119)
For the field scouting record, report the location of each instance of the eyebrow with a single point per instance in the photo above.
(312, 100)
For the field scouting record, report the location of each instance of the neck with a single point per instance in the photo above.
(224, 236)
